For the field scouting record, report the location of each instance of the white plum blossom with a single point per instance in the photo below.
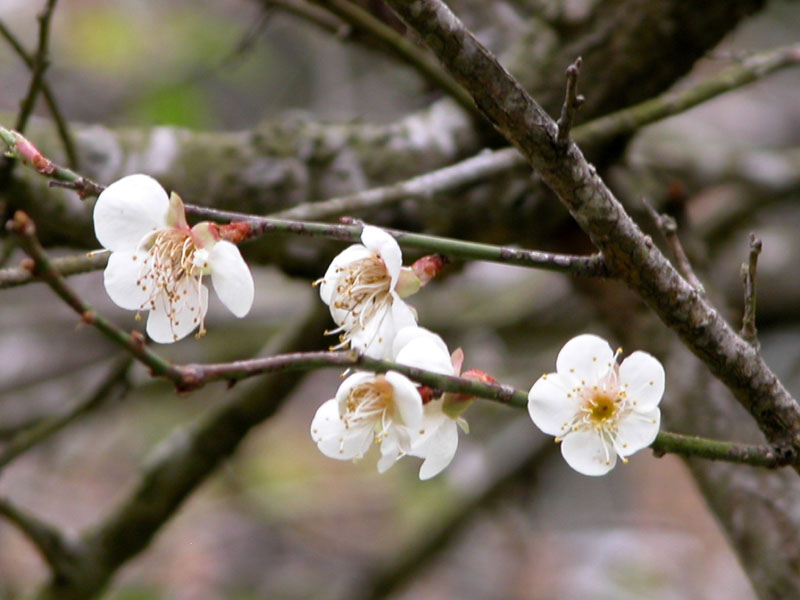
(361, 289)
(369, 408)
(598, 409)
(437, 439)
(158, 262)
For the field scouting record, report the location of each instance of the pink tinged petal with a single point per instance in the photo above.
(377, 337)
(637, 431)
(407, 400)
(124, 278)
(330, 281)
(189, 312)
(585, 358)
(552, 404)
(231, 277)
(587, 453)
(128, 210)
(642, 377)
(334, 439)
(385, 246)
(176, 214)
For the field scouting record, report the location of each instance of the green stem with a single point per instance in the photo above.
(245, 227)
(196, 375)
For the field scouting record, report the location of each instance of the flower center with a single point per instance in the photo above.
(172, 264)
(602, 409)
(363, 290)
(370, 403)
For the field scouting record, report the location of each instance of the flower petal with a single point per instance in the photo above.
(377, 337)
(552, 404)
(585, 358)
(637, 430)
(423, 349)
(187, 313)
(587, 453)
(123, 280)
(385, 246)
(438, 442)
(330, 281)
(406, 399)
(333, 438)
(391, 451)
(231, 278)
(642, 378)
(348, 384)
(129, 209)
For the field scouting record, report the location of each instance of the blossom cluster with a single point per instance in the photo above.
(364, 288)
(598, 408)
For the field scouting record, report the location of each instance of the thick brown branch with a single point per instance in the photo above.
(633, 257)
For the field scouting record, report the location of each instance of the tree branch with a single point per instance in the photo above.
(56, 551)
(134, 343)
(749, 331)
(114, 383)
(631, 255)
(179, 465)
(401, 47)
(49, 98)
(40, 64)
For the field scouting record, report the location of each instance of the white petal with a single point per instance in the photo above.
(406, 399)
(129, 209)
(552, 404)
(330, 281)
(408, 334)
(425, 352)
(231, 278)
(385, 246)
(164, 330)
(637, 431)
(586, 452)
(377, 337)
(585, 358)
(333, 438)
(348, 384)
(123, 271)
(438, 442)
(390, 452)
(641, 376)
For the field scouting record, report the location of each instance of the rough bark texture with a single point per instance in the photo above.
(631, 49)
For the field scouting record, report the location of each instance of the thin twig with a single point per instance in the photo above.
(572, 102)
(483, 165)
(113, 384)
(196, 375)
(40, 64)
(402, 47)
(246, 227)
(57, 552)
(749, 332)
(64, 266)
(315, 15)
(49, 98)
(18, 146)
(668, 228)
(134, 343)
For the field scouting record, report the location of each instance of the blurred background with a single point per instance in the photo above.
(508, 519)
